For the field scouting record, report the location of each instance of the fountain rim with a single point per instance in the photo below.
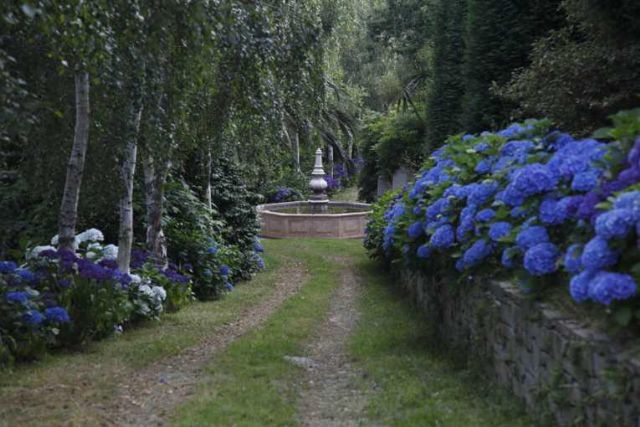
(266, 208)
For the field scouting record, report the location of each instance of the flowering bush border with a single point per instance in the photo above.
(532, 201)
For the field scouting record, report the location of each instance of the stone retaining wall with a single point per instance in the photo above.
(566, 374)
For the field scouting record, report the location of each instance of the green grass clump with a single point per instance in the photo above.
(251, 383)
(410, 378)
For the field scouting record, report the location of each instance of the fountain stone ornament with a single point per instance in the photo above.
(318, 201)
(316, 217)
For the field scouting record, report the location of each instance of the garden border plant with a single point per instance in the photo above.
(529, 202)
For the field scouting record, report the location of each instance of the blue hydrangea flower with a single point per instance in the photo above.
(17, 297)
(228, 286)
(630, 200)
(260, 263)
(444, 237)
(509, 255)
(480, 147)
(615, 224)
(485, 215)
(437, 208)
(512, 131)
(572, 261)
(606, 287)
(532, 179)
(481, 193)
(257, 247)
(498, 230)
(7, 267)
(541, 259)
(225, 270)
(480, 250)
(531, 236)
(57, 315)
(27, 276)
(415, 230)
(553, 212)
(207, 273)
(585, 181)
(424, 251)
(518, 212)
(579, 286)
(33, 317)
(597, 254)
(457, 191)
(485, 166)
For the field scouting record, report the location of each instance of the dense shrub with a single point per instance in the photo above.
(529, 201)
(60, 298)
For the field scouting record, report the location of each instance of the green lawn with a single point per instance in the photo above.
(416, 381)
(408, 380)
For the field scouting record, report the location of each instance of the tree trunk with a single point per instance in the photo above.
(207, 189)
(155, 177)
(75, 168)
(295, 148)
(127, 172)
(330, 159)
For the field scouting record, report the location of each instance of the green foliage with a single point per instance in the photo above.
(498, 38)
(444, 106)
(585, 71)
(388, 142)
(376, 225)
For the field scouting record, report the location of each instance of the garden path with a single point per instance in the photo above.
(331, 394)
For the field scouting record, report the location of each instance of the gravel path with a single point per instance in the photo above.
(147, 397)
(330, 395)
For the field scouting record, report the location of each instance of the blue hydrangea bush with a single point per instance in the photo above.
(529, 201)
(59, 298)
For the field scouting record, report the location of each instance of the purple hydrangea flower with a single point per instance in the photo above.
(541, 259)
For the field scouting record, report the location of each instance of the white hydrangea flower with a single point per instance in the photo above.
(160, 293)
(90, 235)
(135, 278)
(146, 290)
(110, 252)
(96, 246)
(35, 252)
(55, 241)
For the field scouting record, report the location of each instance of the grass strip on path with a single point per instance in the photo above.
(251, 383)
(68, 388)
(414, 381)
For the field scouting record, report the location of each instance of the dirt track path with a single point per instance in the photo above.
(331, 396)
(147, 397)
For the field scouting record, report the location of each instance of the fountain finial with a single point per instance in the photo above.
(318, 185)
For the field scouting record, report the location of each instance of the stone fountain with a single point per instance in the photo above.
(316, 217)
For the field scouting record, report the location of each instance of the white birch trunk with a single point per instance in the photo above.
(127, 173)
(75, 168)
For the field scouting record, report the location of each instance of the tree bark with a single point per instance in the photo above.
(127, 172)
(155, 177)
(207, 190)
(330, 159)
(295, 148)
(75, 168)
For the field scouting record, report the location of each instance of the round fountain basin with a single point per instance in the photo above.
(343, 220)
